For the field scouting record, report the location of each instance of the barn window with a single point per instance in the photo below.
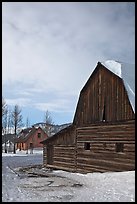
(119, 147)
(39, 135)
(87, 146)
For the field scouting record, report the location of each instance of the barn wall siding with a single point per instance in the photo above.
(104, 90)
(102, 155)
(63, 151)
(44, 155)
(63, 157)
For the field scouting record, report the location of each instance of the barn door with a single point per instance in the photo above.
(49, 154)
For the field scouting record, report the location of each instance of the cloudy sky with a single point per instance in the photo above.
(50, 49)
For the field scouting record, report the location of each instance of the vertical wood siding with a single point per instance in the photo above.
(103, 89)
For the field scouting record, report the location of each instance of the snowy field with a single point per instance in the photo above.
(23, 152)
(63, 186)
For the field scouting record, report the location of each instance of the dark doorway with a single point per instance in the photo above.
(50, 154)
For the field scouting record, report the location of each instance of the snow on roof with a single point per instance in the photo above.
(127, 73)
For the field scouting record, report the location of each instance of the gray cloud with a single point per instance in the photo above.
(54, 47)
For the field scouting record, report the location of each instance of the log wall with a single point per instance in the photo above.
(102, 155)
(60, 152)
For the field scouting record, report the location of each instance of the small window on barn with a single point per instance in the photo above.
(87, 146)
(39, 135)
(119, 147)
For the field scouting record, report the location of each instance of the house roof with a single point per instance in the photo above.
(126, 72)
(26, 133)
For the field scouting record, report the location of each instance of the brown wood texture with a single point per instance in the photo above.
(63, 150)
(106, 89)
(63, 156)
(103, 97)
(104, 157)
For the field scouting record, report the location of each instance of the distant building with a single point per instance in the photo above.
(51, 129)
(30, 138)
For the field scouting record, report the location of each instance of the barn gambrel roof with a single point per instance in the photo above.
(125, 71)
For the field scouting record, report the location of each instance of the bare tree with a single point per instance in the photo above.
(4, 106)
(16, 120)
(4, 115)
(4, 126)
(5, 120)
(27, 122)
(48, 122)
(9, 121)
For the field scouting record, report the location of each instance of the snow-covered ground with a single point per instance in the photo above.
(23, 152)
(63, 186)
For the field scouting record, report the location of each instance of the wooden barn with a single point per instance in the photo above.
(30, 138)
(102, 135)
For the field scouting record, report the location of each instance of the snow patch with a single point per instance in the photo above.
(113, 66)
(23, 153)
